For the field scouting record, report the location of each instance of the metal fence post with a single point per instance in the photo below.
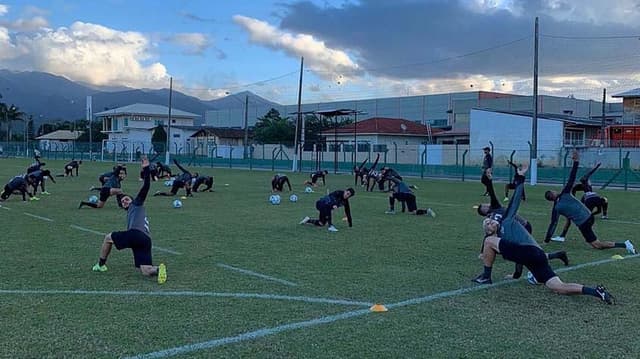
(464, 157)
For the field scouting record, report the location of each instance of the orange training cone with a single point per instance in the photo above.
(378, 308)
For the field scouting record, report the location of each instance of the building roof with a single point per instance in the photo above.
(61, 135)
(146, 109)
(222, 132)
(630, 93)
(554, 116)
(384, 126)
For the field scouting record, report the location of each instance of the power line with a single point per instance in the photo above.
(592, 37)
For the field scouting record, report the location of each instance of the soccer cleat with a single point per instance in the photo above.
(332, 228)
(390, 212)
(157, 193)
(506, 199)
(99, 268)
(305, 220)
(162, 273)
(630, 248)
(604, 295)
(481, 279)
(557, 239)
(46, 192)
(80, 205)
(431, 213)
(604, 216)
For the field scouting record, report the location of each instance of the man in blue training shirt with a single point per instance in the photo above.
(137, 236)
(401, 192)
(564, 203)
(327, 204)
(507, 236)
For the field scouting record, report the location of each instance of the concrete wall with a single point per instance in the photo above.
(511, 132)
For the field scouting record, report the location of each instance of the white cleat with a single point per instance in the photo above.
(305, 220)
(557, 239)
(431, 213)
(332, 229)
(630, 247)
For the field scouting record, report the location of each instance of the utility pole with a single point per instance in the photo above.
(534, 119)
(168, 154)
(298, 145)
(246, 126)
(602, 124)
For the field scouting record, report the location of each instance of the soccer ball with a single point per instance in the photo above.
(177, 203)
(531, 279)
(308, 190)
(293, 198)
(274, 199)
(93, 199)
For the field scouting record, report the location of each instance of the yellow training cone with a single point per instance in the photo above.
(475, 206)
(378, 308)
(183, 197)
(617, 256)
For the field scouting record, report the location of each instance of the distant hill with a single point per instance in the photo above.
(50, 98)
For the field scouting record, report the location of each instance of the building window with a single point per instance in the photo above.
(176, 135)
(573, 137)
(126, 122)
(115, 124)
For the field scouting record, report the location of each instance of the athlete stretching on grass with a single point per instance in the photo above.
(327, 204)
(181, 181)
(201, 180)
(517, 178)
(38, 178)
(20, 184)
(564, 203)
(278, 181)
(111, 188)
(137, 236)
(506, 236)
(495, 209)
(314, 178)
(401, 192)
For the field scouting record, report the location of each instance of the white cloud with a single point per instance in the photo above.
(328, 62)
(4, 9)
(194, 42)
(91, 53)
(31, 24)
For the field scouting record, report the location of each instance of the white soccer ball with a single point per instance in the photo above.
(531, 279)
(308, 190)
(293, 198)
(274, 199)
(93, 199)
(177, 203)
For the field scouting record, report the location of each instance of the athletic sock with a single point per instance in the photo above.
(315, 222)
(590, 291)
(487, 272)
(620, 245)
(102, 261)
(93, 205)
(391, 203)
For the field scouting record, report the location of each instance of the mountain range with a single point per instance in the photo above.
(52, 98)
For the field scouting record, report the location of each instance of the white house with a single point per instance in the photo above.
(60, 140)
(129, 127)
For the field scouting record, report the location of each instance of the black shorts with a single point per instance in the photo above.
(177, 184)
(587, 230)
(408, 198)
(534, 258)
(314, 178)
(593, 202)
(139, 243)
(105, 192)
(325, 211)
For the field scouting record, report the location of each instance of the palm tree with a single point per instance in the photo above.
(13, 114)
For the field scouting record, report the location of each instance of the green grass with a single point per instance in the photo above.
(383, 258)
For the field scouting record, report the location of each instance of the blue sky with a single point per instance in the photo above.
(352, 49)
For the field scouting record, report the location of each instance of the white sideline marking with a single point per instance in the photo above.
(263, 276)
(38, 217)
(190, 294)
(334, 318)
(102, 234)
(3, 207)
(87, 230)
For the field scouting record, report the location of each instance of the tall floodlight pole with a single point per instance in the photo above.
(246, 126)
(168, 155)
(299, 123)
(89, 116)
(534, 118)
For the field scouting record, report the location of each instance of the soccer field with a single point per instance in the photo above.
(246, 280)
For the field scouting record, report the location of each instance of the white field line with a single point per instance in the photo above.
(102, 234)
(260, 333)
(38, 217)
(188, 294)
(5, 208)
(259, 275)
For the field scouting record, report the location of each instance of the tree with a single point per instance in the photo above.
(272, 128)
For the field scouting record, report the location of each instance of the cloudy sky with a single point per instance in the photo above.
(351, 49)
